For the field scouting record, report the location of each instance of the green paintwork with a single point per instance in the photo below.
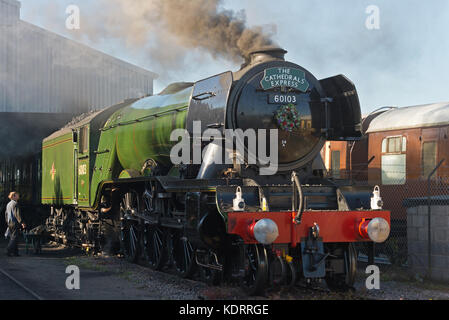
(149, 138)
(58, 183)
(121, 139)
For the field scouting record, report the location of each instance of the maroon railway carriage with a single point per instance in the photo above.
(407, 144)
(401, 148)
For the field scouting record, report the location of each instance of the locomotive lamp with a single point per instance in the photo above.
(238, 202)
(264, 231)
(265, 207)
(376, 229)
(376, 200)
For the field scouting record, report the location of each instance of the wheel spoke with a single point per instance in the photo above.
(256, 275)
(157, 245)
(343, 281)
(188, 251)
(133, 240)
(186, 263)
(183, 255)
(127, 201)
(129, 235)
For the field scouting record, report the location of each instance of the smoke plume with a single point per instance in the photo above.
(166, 28)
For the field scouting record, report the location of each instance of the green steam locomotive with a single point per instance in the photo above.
(111, 182)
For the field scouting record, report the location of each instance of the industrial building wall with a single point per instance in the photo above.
(46, 73)
(9, 11)
(21, 134)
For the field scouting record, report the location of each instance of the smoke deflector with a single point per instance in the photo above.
(342, 109)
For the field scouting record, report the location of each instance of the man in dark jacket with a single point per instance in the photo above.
(13, 220)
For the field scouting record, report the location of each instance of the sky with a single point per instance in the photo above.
(402, 63)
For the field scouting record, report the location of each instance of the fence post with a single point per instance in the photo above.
(429, 229)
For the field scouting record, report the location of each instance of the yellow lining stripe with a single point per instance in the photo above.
(56, 143)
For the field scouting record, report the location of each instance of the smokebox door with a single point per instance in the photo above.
(209, 101)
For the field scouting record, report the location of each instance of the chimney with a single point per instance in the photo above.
(264, 54)
(267, 54)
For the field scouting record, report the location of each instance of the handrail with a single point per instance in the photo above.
(297, 183)
(156, 115)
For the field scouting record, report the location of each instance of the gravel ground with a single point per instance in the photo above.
(400, 284)
(174, 288)
(167, 284)
(395, 290)
(162, 285)
(113, 277)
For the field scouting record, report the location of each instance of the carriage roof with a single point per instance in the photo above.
(429, 115)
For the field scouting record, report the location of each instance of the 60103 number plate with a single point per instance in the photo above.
(282, 98)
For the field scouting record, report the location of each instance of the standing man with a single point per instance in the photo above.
(14, 220)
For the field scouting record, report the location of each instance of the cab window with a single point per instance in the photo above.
(84, 140)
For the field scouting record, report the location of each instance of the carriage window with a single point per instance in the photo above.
(393, 162)
(394, 145)
(429, 157)
(83, 141)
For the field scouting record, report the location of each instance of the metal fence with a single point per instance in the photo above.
(402, 189)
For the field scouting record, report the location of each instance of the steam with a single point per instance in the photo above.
(200, 23)
(166, 28)
(166, 31)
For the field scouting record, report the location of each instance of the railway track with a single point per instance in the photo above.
(6, 278)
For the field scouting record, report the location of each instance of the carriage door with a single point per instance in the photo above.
(429, 151)
(83, 167)
(443, 153)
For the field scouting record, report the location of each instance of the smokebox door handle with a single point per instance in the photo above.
(204, 96)
(217, 125)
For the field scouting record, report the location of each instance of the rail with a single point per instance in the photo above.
(21, 285)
